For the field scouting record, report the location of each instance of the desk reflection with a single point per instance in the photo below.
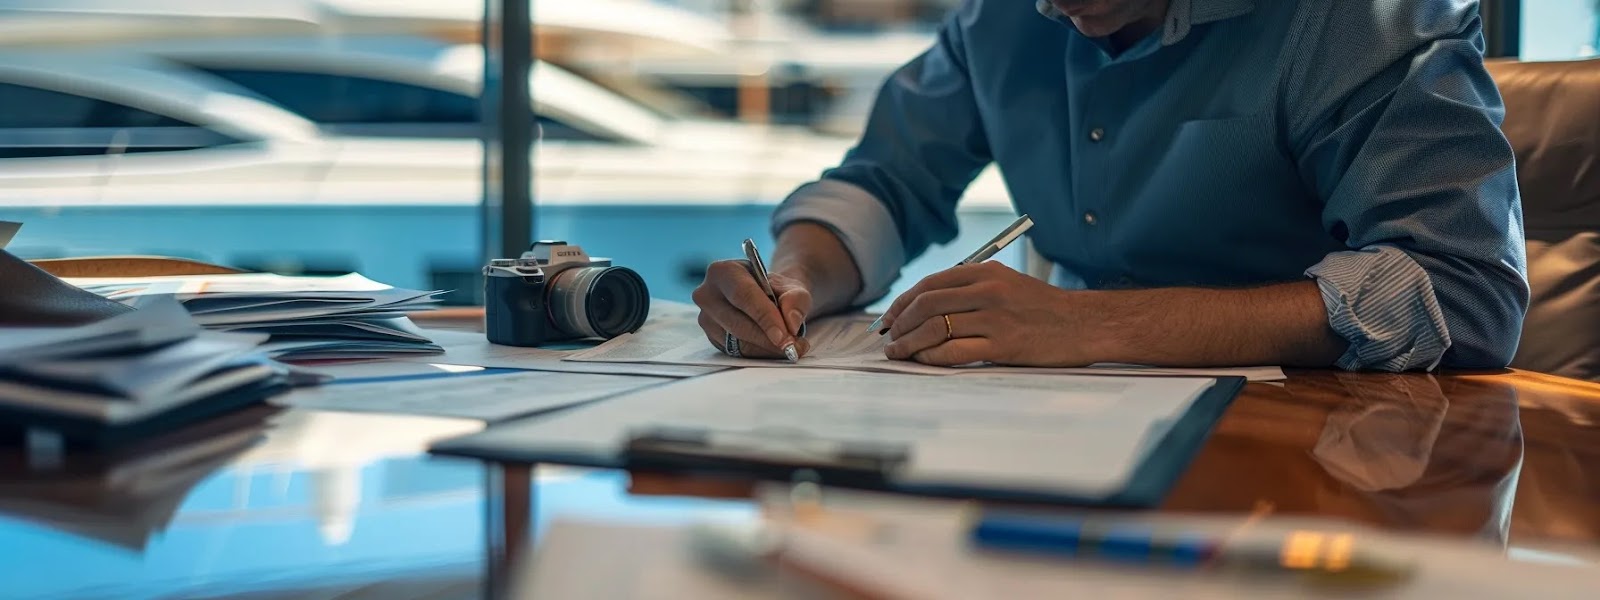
(290, 501)
(1404, 451)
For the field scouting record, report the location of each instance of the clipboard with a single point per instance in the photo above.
(754, 455)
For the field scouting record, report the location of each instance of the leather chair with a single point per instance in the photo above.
(1553, 122)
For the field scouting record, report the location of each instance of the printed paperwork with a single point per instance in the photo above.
(841, 342)
(309, 318)
(126, 368)
(483, 395)
(473, 349)
(1080, 437)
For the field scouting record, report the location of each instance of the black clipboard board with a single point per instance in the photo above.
(687, 452)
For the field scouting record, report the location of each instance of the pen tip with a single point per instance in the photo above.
(791, 353)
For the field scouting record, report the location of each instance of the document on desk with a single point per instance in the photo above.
(1079, 436)
(841, 342)
(468, 348)
(485, 397)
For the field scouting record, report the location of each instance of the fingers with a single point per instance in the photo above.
(796, 304)
(739, 289)
(932, 306)
(928, 334)
(751, 344)
(957, 352)
(957, 276)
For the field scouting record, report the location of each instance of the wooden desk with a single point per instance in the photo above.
(350, 504)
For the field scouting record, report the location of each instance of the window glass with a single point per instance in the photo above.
(31, 107)
(343, 99)
(1560, 29)
(43, 123)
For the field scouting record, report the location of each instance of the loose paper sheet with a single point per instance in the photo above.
(490, 397)
(841, 342)
(1079, 435)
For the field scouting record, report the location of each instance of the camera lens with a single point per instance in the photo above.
(599, 302)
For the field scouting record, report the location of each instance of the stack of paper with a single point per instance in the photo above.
(309, 318)
(129, 368)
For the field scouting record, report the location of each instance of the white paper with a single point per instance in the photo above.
(836, 343)
(8, 230)
(301, 349)
(152, 325)
(107, 409)
(1080, 435)
(489, 397)
(841, 342)
(355, 371)
(399, 329)
(473, 349)
(146, 376)
(250, 283)
(252, 298)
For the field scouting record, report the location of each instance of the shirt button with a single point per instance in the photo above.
(1097, 134)
(1090, 219)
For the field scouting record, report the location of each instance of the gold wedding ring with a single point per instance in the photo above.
(949, 330)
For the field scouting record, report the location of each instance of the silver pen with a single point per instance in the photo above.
(1008, 235)
(758, 268)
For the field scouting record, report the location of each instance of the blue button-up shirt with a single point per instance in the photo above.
(1244, 143)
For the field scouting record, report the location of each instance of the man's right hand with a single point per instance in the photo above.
(731, 301)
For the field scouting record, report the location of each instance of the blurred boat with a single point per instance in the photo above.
(391, 121)
(598, 29)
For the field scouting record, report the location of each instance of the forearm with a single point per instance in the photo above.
(814, 255)
(1285, 324)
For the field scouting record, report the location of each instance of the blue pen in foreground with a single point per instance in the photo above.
(1330, 554)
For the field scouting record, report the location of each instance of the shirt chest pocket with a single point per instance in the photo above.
(1217, 184)
(1239, 147)
(1224, 164)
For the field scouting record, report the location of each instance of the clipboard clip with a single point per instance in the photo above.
(768, 453)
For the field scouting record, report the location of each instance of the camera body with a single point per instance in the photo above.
(555, 292)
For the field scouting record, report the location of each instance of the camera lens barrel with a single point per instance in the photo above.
(598, 302)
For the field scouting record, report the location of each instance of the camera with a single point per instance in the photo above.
(555, 292)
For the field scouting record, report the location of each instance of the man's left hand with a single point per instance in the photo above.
(996, 315)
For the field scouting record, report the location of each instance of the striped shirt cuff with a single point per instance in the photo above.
(1382, 302)
(860, 220)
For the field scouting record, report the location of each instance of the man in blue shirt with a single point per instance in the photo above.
(1219, 182)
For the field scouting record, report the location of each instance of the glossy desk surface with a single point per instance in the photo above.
(349, 505)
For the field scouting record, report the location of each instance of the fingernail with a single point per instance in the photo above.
(777, 336)
(795, 321)
(791, 353)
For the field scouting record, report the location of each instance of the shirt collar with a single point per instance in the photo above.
(1182, 15)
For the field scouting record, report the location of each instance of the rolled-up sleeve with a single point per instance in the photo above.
(1401, 137)
(895, 193)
